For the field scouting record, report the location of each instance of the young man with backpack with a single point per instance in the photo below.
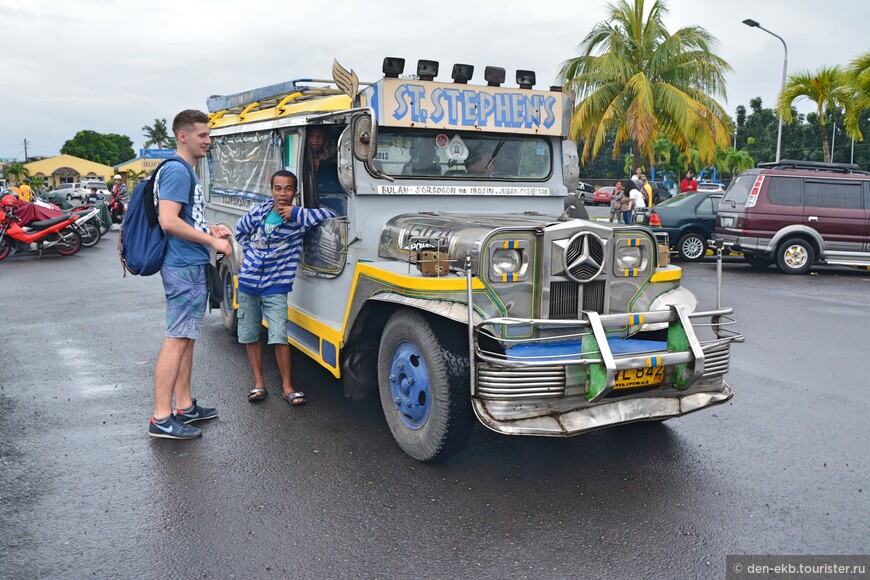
(181, 208)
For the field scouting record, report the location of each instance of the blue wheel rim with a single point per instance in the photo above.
(409, 385)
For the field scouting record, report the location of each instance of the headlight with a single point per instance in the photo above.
(628, 257)
(506, 261)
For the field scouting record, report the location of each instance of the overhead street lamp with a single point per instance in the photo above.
(754, 24)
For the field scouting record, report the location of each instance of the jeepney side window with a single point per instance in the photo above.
(241, 167)
(457, 155)
(320, 184)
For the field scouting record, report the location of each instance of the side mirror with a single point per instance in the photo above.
(570, 165)
(365, 137)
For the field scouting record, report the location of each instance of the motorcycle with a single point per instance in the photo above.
(47, 235)
(117, 209)
(88, 225)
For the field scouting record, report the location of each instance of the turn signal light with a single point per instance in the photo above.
(654, 219)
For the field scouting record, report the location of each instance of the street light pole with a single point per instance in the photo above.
(754, 24)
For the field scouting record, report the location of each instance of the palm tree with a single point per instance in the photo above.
(636, 77)
(858, 77)
(16, 171)
(158, 135)
(732, 161)
(827, 87)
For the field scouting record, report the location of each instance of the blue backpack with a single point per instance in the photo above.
(142, 244)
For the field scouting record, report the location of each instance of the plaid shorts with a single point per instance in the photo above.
(186, 295)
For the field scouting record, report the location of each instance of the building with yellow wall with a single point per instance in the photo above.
(69, 169)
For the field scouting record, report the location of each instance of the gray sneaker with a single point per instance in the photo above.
(196, 413)
(172, 428)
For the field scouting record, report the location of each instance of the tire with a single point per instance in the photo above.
(757, 262)
(5, 247)
(423, 383)
(71, 242)
(795, 256)
(229, 315)
(91, 234)
(692, 247)
(582, 198)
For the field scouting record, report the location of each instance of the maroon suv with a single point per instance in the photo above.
(797, 213)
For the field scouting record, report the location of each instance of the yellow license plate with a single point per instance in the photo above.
(634, 378)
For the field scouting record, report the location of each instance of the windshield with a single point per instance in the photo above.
(463, 155)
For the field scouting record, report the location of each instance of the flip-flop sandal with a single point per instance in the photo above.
(255, 395)
(291, 397)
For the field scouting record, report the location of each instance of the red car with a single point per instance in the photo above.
(602, 195)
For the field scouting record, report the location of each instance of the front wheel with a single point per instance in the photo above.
(90, 233)
(692, 247)
(795, 256)
(68, 243)
(424, 387)
(5, 247)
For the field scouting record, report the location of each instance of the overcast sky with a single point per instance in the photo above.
(112, 66)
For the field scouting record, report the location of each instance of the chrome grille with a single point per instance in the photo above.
(520, 382)
(593, 295)
(564, 300)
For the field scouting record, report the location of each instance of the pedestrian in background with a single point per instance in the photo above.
(182, 218)
(271, 237)
(634, 199)
(636, 178)
(616, 203)
(648, 189)
(688, 184)
(24, 191)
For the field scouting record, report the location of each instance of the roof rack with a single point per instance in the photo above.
(271, 96)
(811, 166)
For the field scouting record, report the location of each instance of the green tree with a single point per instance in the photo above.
(109, 149)
(16, 171)
(732, 161)
(636, 77)
(827, 87)
(858, 79)
(158, 134)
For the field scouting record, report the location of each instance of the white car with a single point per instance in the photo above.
(81, 190)
(711, 186)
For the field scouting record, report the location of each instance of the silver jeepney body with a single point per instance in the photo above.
(560, 314)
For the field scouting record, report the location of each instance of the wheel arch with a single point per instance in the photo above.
(797, 231)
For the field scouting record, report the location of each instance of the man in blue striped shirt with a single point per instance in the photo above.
(271, 236)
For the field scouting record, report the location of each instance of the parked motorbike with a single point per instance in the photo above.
(117, 209)
(47, 235)
(88, 225)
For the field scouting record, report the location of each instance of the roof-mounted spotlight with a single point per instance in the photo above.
(462, 73)
(494, 76)
(427, 70)
(526, 78)
(393, 67)
(556, 88)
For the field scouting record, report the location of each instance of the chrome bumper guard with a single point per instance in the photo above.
(558, 377)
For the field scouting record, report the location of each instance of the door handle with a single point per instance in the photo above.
(813, 218)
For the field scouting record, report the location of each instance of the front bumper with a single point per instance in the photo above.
(565, 381)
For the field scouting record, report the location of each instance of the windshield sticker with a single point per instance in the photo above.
(459, 190)
(441, 140)
(457, 149)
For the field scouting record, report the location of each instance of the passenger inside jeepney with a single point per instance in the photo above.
(478, 163)
(323, 170)
(423, 159)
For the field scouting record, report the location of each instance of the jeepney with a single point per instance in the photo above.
(452, 283)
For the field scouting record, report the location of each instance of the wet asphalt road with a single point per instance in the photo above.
(322, 491)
